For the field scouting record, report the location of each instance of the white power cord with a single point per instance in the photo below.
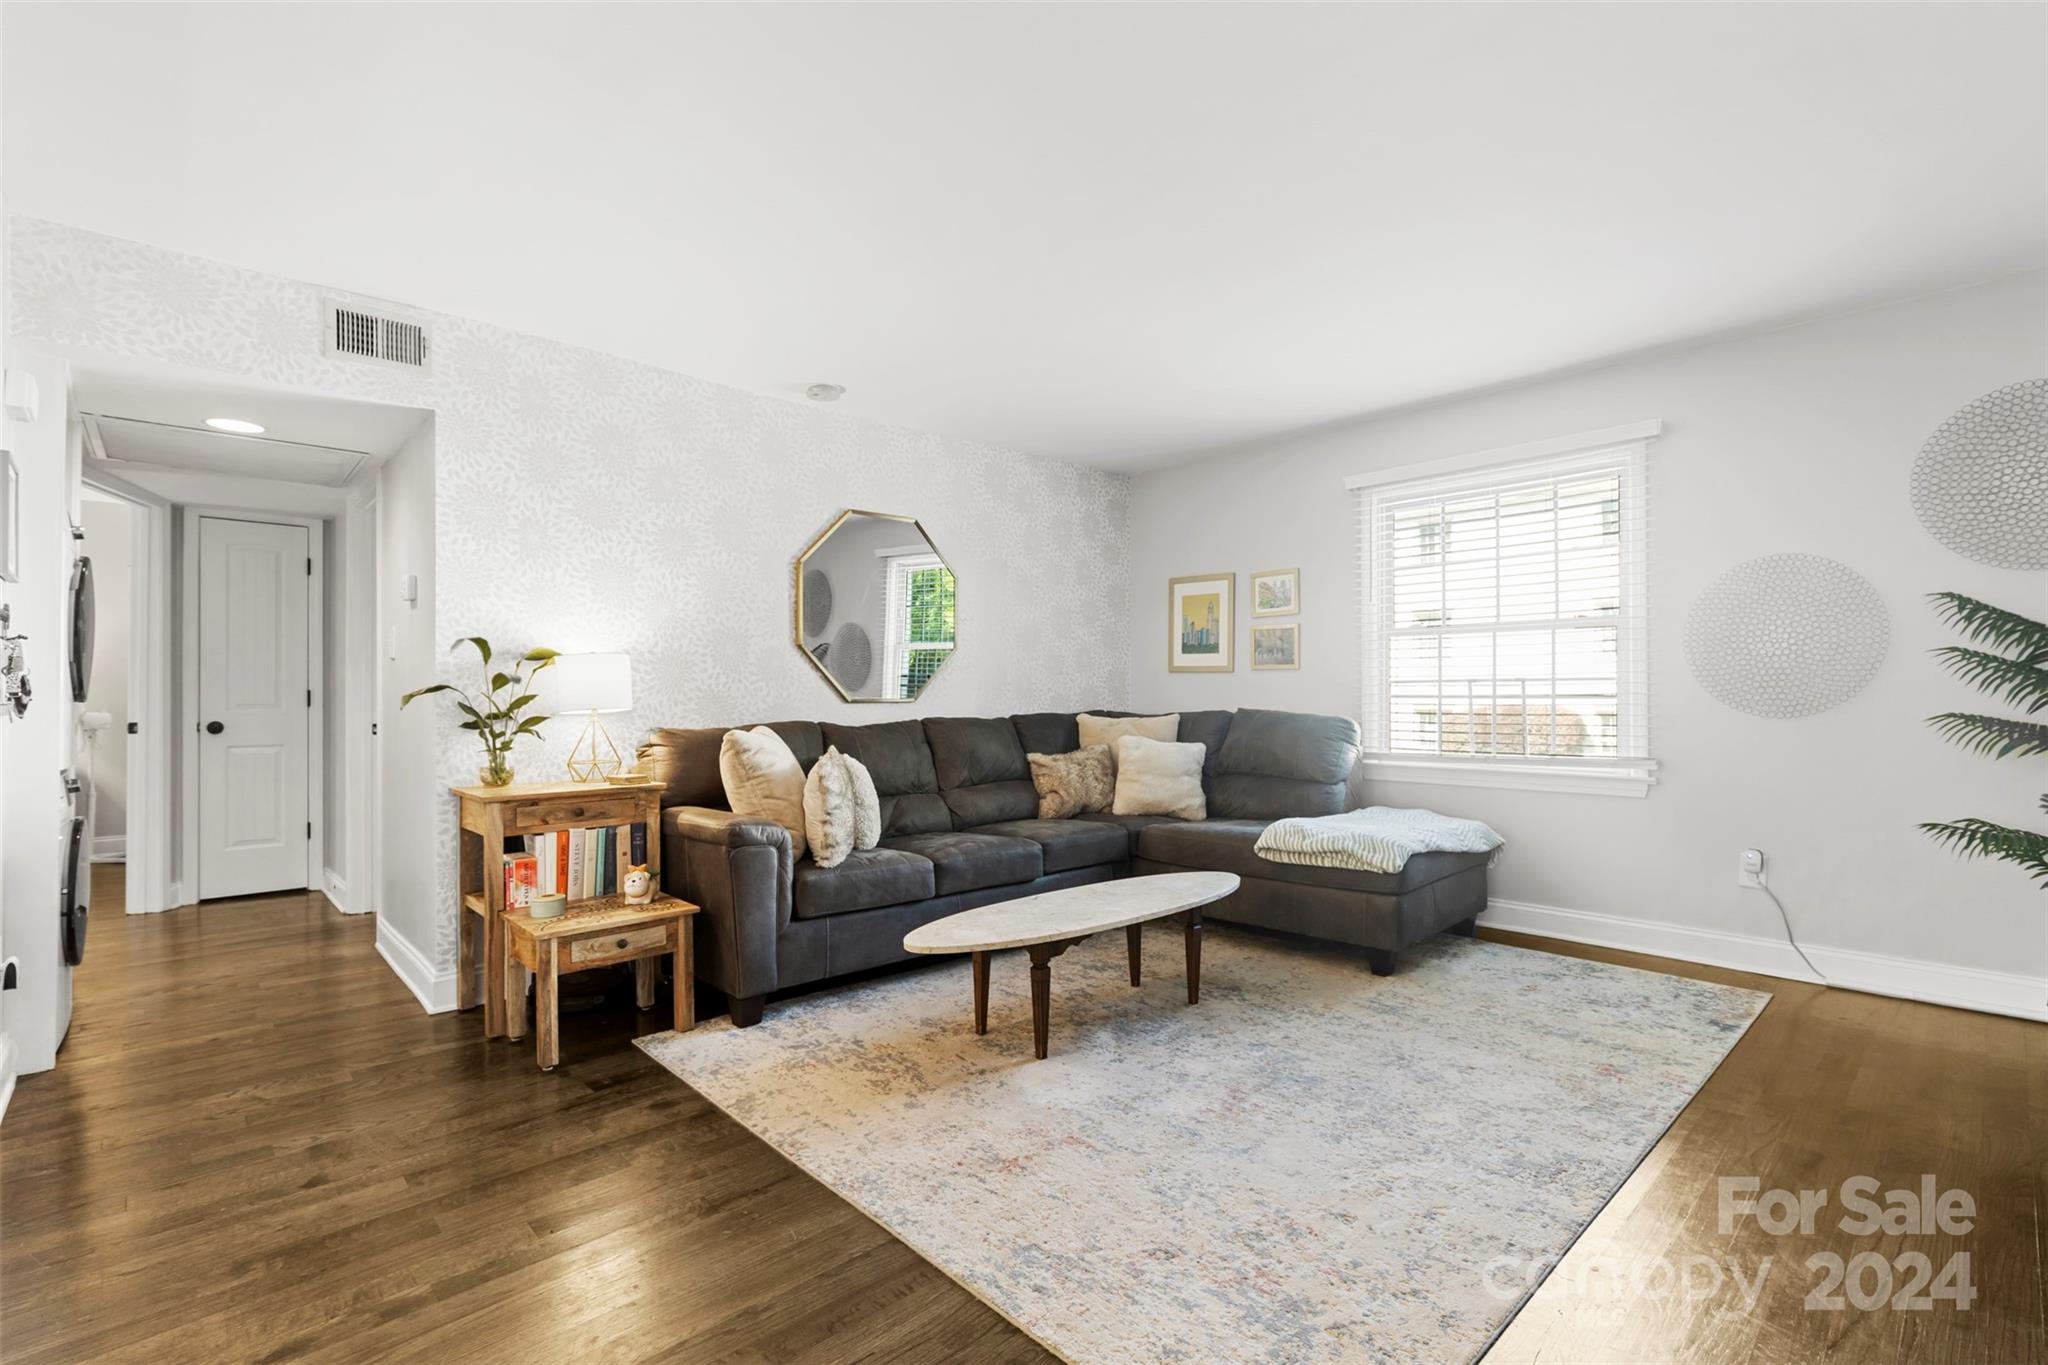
(1762, 886)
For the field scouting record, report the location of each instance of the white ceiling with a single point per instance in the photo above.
(1116, 234)
(156, 417)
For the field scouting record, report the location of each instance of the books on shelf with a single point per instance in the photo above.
(522, 875)
(579, 863)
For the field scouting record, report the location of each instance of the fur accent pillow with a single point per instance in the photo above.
(1107, 730)
(830, 809)
(1156, 778)
(763, 780)
(867, 806)
(1069, 784)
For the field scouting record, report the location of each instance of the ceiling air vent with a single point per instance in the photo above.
(366, 336)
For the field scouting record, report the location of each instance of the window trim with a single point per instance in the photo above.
(1629, 775)
(898, 563)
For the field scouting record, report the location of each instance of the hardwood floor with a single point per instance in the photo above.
(256, 1147)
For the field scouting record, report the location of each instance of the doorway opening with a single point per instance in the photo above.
(250, 629)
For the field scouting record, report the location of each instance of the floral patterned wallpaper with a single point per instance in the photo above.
(589, 502)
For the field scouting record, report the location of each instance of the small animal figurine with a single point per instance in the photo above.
(638, 886)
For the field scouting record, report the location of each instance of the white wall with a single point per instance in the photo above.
(39, 745)
(109, 525)
(586, 502)
(1797, 440)
(410, 795)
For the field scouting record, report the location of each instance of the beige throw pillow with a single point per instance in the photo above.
(1107, 730)
(829, 809)
(1068, 784)
(1155, 778)
(763, 780)
(867, 806)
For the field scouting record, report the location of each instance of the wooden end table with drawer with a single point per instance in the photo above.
(603, 933)
(490, 815)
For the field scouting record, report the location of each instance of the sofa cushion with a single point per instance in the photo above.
(1073, 784)
(1230, 846)
(1208, 729)
(982, 773)
(1047, 732)
(763, 780)
(1100, 729)
(868, 878)
(969, 862)
(1154, 777)
(900, 762)
(1279, 763)
(1067, 844)
(1131, 825)
(685, 761)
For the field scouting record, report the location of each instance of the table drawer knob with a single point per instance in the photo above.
(622, 943)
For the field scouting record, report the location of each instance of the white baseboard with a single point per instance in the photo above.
(1934, 983)
(109, 848)
(434, 990)
(336, 891)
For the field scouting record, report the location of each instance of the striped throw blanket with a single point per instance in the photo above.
(1376, 839)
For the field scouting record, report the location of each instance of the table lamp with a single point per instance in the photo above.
(596, 684)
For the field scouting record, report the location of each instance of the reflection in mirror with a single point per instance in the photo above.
(874, 607)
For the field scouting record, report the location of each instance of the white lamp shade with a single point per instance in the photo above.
(589, 682)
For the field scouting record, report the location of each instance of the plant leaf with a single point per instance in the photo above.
(1997, 736)
(499, 680)
(483, 646)
(517, 702)
(543, 657)
(428, 690)
(2013, 680)
(1973, 838)
(1986, 624)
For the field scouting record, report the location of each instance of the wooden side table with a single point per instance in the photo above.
(490, 815)
(605, 932)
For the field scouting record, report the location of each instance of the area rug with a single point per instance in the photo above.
(1313, 1164)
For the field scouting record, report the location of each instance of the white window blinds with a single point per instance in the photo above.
(1504, 609)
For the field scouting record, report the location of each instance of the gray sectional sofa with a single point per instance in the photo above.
(961, 829)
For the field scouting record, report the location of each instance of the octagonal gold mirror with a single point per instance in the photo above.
(874, 606)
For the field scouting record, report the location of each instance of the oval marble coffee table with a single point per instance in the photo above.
(1048, 924)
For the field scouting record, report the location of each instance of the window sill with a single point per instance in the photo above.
(1634, 781)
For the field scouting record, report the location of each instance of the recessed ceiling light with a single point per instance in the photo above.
(236, 425)
(824, 393)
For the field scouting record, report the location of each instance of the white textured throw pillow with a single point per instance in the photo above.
(1157, 778)
(867, 807)
(1107, 730)
(830, 807)
(763, 780)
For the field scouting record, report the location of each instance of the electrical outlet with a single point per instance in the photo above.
(1750, 871)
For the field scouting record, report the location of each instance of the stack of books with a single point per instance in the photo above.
(577, 863)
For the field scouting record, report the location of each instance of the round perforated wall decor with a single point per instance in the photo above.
(1980, 485)
(1786, 635)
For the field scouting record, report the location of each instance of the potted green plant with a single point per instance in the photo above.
(2014, 669)
(495, 714)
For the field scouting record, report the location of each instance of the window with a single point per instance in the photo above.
(1504, 616)
(918, 601)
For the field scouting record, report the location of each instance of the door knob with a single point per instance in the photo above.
(214, 727)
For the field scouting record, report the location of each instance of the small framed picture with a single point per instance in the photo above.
(1277, 646)
(1276, 592)
(10, 518)
(1200, 623)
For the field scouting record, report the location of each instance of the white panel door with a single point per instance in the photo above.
(254, 706)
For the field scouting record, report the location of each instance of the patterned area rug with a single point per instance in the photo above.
(1313, 1164)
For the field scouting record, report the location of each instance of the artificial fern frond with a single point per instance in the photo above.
(2014, 680)
(1982, 839)
(1989, 625)
(1998, 736)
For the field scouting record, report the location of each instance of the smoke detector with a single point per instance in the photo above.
(825, 393)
